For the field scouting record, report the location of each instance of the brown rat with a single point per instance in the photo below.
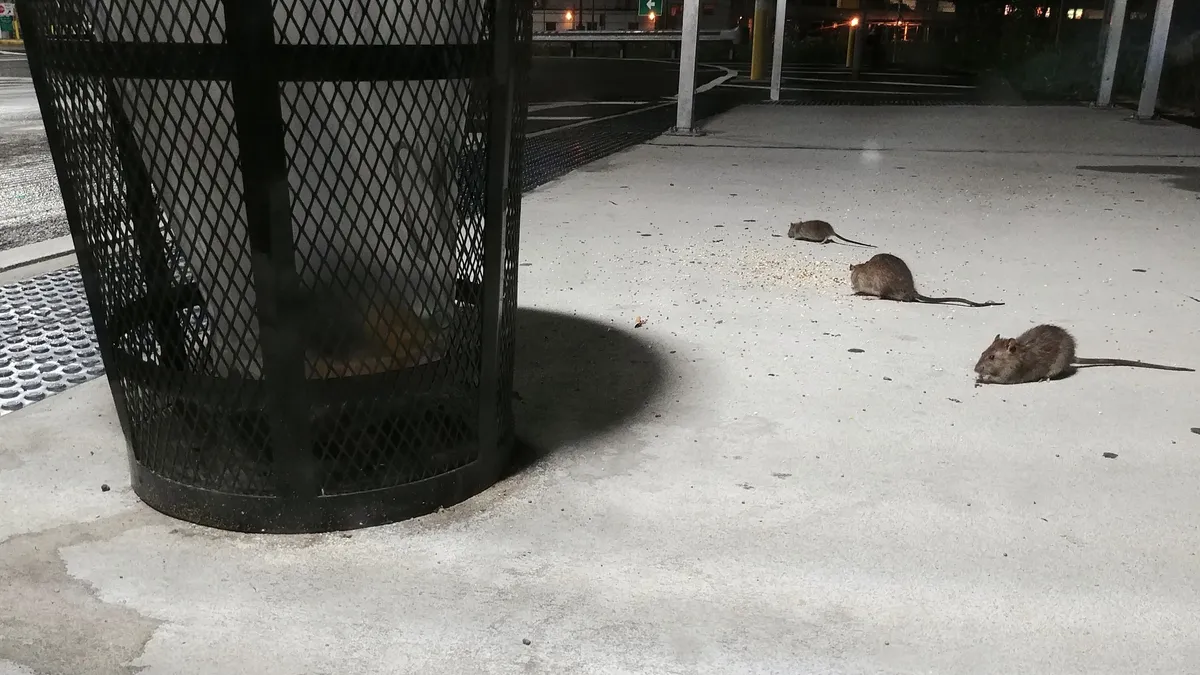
(1043, 352)
(886, 276)
(818, 231)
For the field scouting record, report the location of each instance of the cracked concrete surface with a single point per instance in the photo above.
(729, 488)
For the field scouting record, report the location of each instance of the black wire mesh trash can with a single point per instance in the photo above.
(296, 221)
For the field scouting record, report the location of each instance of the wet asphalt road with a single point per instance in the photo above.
(12, 63)
(30, 203)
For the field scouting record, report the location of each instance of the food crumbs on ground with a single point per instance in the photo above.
(771, 268)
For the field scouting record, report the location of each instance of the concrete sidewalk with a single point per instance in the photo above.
(770, 476)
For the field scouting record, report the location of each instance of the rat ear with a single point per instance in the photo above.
(996, 339)
(1011, 345)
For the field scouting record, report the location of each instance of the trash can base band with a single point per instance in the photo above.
(329, 513)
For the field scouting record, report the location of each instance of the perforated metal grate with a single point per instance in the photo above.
(47, 344)
(297, 226)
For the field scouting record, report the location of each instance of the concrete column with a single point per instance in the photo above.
(850, 45)
(1112, 48)
(860, 47)
(1154, 58)
(777, 61)
(1058, 24)
(1100, 44)
(758, 41)
(686, 100)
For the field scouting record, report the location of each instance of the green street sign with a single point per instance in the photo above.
(647, 6)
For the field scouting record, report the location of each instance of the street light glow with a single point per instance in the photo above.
(854, 22)
(570, 15)
(652, 16)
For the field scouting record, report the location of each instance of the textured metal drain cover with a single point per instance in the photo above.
(47, 343)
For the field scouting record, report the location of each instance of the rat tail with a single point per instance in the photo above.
(851, 241)
(962, 301)
(1133, 364)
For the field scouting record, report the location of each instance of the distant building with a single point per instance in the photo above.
(871, 10)
(905, 20)
(584, 15)
(923, 20)
(919, 12)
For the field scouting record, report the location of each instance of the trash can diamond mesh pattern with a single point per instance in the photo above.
(297, 226)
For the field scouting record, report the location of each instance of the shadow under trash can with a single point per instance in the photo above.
(296, 223)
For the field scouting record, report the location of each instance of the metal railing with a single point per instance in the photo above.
(623, 37)
(728, 35)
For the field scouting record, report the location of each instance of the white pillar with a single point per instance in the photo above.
(1154, 58)
(1103, 41)
(777, 60)
(686, 100)
(1112, 47)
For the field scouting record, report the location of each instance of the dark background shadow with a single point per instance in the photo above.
(1180, 177)
(576, 378)
(566, 79)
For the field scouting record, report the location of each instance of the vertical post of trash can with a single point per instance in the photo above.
(258, 114)
(499, 147)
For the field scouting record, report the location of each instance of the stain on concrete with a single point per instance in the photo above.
(1181, 177)
(291, 542)
(599, 166)
(52, 622)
